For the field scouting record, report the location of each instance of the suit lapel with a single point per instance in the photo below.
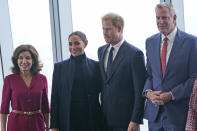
(177, 44)
(102, 60)
(119, 57)
(157, 54)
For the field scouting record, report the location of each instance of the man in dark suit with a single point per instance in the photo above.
(123, 73)
(171, 69)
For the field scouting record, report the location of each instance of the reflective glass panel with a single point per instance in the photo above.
(30, 22)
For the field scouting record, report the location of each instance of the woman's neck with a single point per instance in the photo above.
(25, 74)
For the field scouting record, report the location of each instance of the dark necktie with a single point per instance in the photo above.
(163, 55)
(109, 62)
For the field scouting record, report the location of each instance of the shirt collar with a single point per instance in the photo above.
(116, 46)
(171, 36)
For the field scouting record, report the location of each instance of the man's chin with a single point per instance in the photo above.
(163, 32)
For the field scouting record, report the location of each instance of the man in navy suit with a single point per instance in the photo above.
(171, 69)
(123, 74)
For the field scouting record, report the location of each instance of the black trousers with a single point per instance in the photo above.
(106, 127)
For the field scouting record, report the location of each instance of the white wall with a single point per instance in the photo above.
(5, 41)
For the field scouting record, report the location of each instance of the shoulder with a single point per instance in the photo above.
(92, 62)
(101, 48)
(62, 63)
(153, 37)
(11, 76)
(132, 53)
(185, 35)
(132, 49)
(188, 39)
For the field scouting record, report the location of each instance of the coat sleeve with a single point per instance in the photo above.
(148, 84)
(6, 97)
(139, 76)
(184, 89)
(54, 119)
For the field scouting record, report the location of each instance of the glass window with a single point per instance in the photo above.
(190, 16)
(1, 75)
(30, 22)
(139, 17)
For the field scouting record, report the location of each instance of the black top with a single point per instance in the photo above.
(79, 99)
(79, 93)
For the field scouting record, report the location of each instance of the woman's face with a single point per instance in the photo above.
(76, 45)
(25, 61)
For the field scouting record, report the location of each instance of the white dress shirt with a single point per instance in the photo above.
(115, 51)
(170, 42)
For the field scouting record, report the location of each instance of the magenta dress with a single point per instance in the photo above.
(27, 99)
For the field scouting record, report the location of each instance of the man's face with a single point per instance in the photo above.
(165, 22)
(112, 34)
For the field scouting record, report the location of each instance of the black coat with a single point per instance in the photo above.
(121, 98)
(61, 93)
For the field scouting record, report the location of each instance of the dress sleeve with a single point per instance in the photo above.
(45, 101)
(6, 97)
(191, 124)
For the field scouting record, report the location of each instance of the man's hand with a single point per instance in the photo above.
(166, 96)
(55, 129)
(133, 126)
(154, 96)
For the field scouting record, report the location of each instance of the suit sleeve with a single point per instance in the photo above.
(148, 84)
(139, 76)
(54, 120)
(184, 89)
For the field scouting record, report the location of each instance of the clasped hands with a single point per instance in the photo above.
(159, 97)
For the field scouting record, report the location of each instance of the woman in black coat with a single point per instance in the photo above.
(75, 90)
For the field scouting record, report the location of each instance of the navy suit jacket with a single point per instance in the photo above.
(179, 76)
(121, 97)
(61, 93)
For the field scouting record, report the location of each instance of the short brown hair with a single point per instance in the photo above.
(115, 19)
(36, 66)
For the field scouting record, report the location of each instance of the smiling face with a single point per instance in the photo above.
(76, 45)
(165, 22)
(24, 61)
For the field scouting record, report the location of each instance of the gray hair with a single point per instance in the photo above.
(115, 19)
(81, 35)
(166, 5)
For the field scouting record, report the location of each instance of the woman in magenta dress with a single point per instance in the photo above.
(191, 124)
(26, 91)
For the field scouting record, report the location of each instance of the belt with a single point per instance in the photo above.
(26, 113)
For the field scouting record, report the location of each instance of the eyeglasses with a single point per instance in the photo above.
(75, 43)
